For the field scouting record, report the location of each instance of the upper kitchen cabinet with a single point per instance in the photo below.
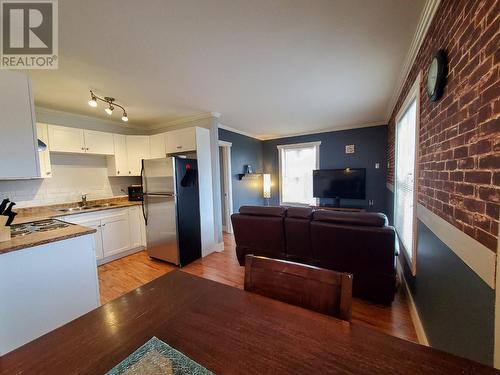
(137, 149)
(18, 143)
(64, 139)
(181, 140)
(82, 141)
(118, 163)
(44, 156)
(158, 146)
(98, 143)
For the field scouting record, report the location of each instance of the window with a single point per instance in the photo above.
(296, 164)
(405, 174)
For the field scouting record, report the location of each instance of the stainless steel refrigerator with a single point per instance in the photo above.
(171, 209)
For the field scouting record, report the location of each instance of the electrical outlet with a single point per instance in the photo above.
(370, 202)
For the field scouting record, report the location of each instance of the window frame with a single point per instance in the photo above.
(413, 95)
(316, 145)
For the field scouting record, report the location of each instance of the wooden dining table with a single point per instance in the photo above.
(228, 331)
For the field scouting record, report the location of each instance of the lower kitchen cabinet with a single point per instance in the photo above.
(115, 234)
(119, 232)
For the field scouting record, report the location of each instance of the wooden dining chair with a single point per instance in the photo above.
(325, 291)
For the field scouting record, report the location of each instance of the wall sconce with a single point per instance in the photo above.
(266, 186)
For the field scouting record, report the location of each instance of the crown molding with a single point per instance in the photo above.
(49, 111)
(237, 131)
(185, 120)
(426, 18)
(327, 130)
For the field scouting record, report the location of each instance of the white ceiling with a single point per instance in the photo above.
(270, 67)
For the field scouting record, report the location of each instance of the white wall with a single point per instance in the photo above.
(72, 176)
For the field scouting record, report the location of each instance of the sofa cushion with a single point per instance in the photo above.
(299, 212)
(298, 233)
(263, 211)
(369, 219)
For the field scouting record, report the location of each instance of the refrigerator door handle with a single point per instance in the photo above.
(143, 194)
(144, 208)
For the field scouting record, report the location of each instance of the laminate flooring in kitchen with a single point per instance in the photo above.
(123, 275)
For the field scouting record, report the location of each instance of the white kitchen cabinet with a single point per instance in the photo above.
(98, 143)
(158, 146)
(44, 156)
(90, 222)
(181, 140)
(137, 227)
(65, 139)
(18, 144)
(118, 163)
(115, 234)
(119, 231)
(137, 149)
(80, 141)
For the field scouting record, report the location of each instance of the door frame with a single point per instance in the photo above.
(228, 183)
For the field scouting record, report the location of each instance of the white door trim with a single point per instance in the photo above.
(227, 181)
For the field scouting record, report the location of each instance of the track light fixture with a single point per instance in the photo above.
(110, 102)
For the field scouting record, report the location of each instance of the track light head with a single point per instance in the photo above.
(93, 100)
(125, 117)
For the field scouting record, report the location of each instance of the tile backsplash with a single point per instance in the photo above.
(72, 176)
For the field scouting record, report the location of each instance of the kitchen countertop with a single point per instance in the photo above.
(30, 214)
(41, 238)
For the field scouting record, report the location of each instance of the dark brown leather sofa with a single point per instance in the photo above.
(359, 243)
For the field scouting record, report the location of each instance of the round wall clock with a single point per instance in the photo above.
(436, 75)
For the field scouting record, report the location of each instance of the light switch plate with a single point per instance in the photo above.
(377, 165)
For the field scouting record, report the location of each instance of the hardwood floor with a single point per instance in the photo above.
(123, 275)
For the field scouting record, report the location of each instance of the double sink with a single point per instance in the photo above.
(86, 207)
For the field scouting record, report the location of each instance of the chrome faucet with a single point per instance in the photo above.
(83, 203)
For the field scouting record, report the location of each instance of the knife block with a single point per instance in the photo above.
(4, 231)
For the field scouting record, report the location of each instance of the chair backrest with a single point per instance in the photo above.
(325, 291)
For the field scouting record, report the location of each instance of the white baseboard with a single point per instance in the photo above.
(120, 255)
(219, 247)
(415, 317)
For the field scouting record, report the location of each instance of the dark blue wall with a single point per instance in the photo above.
(245, 150)
(370, 145)
(456, 307)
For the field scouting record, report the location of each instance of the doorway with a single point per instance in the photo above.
(226, 185)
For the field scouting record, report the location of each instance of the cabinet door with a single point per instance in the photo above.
(18, 146)
(115, 234)
(44, 156)
(91, 223)
(99, 143)
(158, 146)
(118, 163)
(181, 140)
(137, 149)
(64, 139)
(136, 223)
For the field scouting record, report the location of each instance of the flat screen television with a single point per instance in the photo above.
(348, 183)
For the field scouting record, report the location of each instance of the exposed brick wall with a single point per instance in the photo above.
(459, 161)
